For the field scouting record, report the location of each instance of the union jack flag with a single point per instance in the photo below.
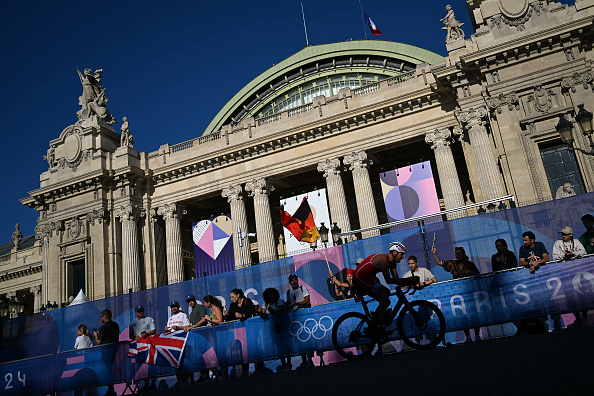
(161, 349)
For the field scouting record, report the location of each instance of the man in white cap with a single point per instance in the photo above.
(567, 248)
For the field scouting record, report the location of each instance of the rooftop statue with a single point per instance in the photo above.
(17, 235)
(452, 25)
(126, 139)
(93, 100)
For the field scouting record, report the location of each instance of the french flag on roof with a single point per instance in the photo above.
(374, 30)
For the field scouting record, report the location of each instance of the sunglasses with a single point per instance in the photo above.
(565, 234)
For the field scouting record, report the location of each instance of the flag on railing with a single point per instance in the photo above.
(301, 224)
(374, 30)
(161, 349)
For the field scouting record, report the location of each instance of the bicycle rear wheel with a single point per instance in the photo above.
(424, 328)
(351, 336)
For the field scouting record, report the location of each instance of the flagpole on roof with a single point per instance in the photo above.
(363, 20)
(304, 27)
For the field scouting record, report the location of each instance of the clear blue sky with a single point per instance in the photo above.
(168, 66)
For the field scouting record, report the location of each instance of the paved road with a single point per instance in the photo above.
(560, 363)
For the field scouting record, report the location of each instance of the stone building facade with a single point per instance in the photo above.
(115, 221)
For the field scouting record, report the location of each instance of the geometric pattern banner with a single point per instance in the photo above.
(213, 245)
(409, 191)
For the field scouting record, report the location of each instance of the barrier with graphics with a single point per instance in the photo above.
(480, 301)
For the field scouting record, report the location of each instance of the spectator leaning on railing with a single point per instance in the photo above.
(533, 253)
(567, 248)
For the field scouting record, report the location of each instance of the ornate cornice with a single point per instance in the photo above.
(20, 273)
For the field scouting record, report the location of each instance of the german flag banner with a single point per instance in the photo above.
(301, 224)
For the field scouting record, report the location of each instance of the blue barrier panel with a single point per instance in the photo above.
(466, 303)
(55, 331)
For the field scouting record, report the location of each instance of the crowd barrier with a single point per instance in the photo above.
(479, 301)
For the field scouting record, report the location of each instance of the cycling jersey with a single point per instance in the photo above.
(365, 277)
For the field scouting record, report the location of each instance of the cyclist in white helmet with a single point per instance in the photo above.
(365, 277)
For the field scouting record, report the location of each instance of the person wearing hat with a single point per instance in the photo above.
(344, 290)
(142, 326)
(567, 248)
(178, 320)
(297, 296)
(197, 316)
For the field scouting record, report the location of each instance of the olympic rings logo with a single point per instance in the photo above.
(311, 328)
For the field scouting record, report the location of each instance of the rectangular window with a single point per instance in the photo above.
(562, 171)
(76, 277)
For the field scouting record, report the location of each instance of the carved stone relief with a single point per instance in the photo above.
(542, 100)
(510, 100)
(584, 78)
(515, 13)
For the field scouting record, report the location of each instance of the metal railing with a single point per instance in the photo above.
(483, 207)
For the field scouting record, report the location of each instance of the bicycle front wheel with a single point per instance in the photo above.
(351, 336)
(422, 329)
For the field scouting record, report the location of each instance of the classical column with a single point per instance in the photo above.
(172, 214)
(260, 189)
(36, 291)
(439, 139)
(234, 195)
(338, 207)
(358, 164)
(128, 215)
(43, 233)
(486, 166)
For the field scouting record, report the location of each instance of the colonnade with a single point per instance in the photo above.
(332, 170)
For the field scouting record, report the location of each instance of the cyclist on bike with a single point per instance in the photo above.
(365, 278)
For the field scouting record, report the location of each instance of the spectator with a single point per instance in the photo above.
(297, 296)
(532, 254)
(344, 290)
(108, 333)
(272, 302)
(503, 259)
(587, 238)
(241, 308)
(217, 311)
(274, 305)
(460, 268)
(142, 326)
(198, 315)
(425, 276)
(216, 317)
(85, 338)
(197, 319)
(567, 248)
(178, 319)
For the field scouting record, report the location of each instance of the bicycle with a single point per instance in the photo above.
(420, 324)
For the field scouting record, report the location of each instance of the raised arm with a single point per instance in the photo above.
(437, 259)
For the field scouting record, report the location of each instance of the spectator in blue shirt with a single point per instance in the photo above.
(533, 253)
